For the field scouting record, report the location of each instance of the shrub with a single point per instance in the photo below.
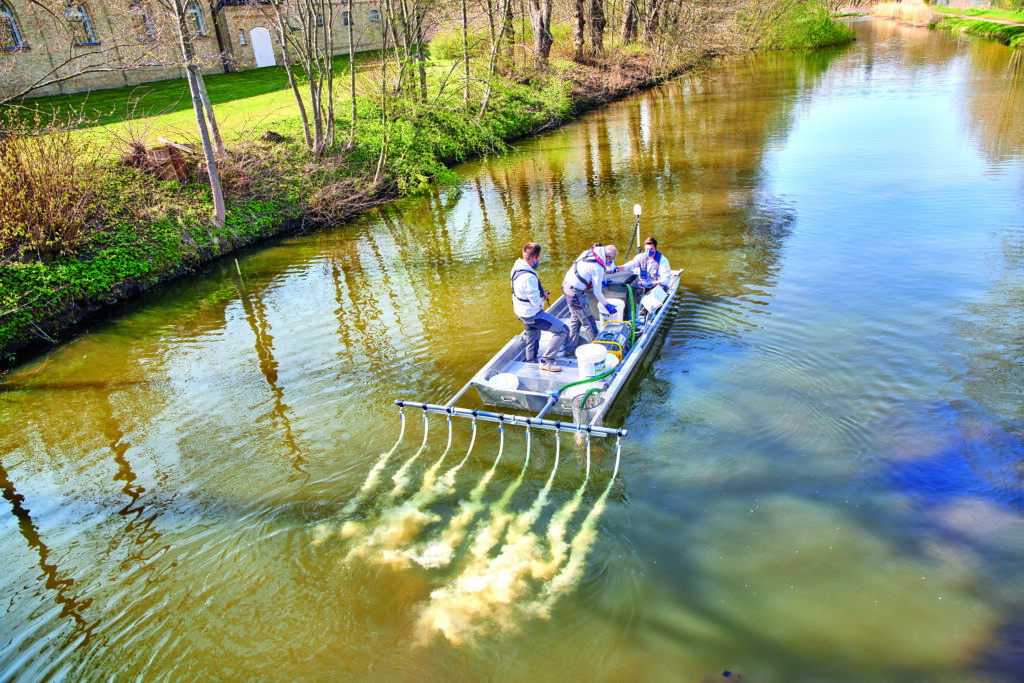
(797, 26)
(50, 188)
(447, 45)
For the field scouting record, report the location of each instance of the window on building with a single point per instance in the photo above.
(374, 16)
(241, 37)
(194, 19)
(318, 20)
(79, 24)
(345, 19)
(142, 22)
(294, 23)
(10, 38)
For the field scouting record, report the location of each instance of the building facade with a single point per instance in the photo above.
(65, 46)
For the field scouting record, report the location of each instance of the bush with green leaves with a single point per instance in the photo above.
(794, 25)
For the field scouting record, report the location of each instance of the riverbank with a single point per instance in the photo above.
(142, 229)
(1004, 26)
(150, 231)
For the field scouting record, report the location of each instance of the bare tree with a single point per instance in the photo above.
(283, 28)
(352, 75)
(306, 29)
(495, 49)
(195, 86)
(465, 52)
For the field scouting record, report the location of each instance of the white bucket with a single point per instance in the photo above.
(591, 359)
(653, 300)
(619, 305)
(504, 381)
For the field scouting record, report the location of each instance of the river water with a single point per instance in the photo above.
(823, 479)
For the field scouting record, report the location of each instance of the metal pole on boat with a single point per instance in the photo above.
(512, 419)
(456, 397)
(551, 402)
(636, 229)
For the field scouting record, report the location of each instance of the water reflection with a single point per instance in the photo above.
(256, 316)
(994, 102)
(55, 581)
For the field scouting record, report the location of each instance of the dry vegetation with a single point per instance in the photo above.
(910, 13)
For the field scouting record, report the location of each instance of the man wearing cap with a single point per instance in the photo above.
(587, 272)
(651, 267)
(528, 297)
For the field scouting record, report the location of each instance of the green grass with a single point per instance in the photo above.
(803, 26)
(1004, 14)
(1004, 33)
(242, 100)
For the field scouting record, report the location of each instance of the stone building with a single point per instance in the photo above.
(66, 46)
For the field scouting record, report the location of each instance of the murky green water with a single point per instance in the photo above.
(823, 480)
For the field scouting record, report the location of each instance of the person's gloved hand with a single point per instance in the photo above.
(609, 309)
(605, 283)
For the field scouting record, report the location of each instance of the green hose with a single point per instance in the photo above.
(632, 316)
(588, 380)
(587, 395)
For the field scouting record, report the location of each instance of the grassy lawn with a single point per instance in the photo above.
(978, 13)
(259, 98)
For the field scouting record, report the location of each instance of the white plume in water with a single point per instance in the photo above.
(439, 553)
(569, 577)
(557, 530)
(483, 597)
(509, 573)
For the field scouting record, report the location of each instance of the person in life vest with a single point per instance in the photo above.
(587, 272)
(650, 266)
(528, 297)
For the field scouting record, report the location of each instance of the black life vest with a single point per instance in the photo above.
(515, 276)
(589, 256)
(646, 262)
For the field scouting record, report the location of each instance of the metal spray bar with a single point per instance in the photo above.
(505, 418)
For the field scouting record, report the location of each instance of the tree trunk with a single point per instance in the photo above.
(352, 73)
(491, 30)
(465, 54)
(378, 176)
(282, 25)
(651, 25)
(421, 57)
(194, 86)
(597, 24)
(510, 31)
(579, 21)
(540, 19)
(218, 143)
(495, 48)
(628, 33)
(328, 60)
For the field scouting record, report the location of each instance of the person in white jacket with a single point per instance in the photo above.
(528, 297)
(650, 266)
(587, 272)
